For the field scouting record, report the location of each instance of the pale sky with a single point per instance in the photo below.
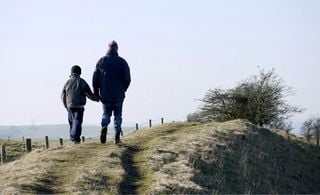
(177, 50)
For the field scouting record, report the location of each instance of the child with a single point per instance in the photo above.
(74, 95)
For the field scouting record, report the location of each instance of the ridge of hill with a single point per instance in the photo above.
(229, 157)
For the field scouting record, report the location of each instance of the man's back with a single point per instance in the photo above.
(111, 77)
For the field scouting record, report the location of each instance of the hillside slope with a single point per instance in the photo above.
(230, 157)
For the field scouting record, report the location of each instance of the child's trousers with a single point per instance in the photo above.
(75, 117)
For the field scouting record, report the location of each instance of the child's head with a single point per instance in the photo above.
(76, 70)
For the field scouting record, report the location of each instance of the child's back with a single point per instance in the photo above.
(76, 89)
(74, 95)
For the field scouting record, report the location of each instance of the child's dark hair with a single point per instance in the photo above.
(76, 69)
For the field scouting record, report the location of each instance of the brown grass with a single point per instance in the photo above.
(71, 169)
(230, 157)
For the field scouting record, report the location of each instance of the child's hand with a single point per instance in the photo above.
(96, 98)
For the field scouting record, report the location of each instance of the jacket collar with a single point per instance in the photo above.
(112, 53)
(74, 75)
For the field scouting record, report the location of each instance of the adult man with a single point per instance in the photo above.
(111, 80)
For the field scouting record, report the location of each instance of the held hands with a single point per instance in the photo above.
(96, 97)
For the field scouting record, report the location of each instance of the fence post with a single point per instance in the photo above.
(83, 139)
(150, 123)
(162, 121)
(47, 141)
(137, 126)
(28, 145)
(22, 139)
(61, 142)
(3, 154)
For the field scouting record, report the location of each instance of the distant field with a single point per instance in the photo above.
(53, 131)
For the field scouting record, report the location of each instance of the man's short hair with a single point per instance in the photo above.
(113, 45)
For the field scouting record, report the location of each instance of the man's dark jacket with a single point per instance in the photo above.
(111, 78)
(75, 91)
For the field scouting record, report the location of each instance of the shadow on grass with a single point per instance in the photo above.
(258, 161)
(43, 186)
(129, 183)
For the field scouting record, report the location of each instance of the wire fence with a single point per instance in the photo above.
(27, 144)
(136, 126)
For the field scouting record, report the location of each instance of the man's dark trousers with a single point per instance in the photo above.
(75, 116)
(116, 108)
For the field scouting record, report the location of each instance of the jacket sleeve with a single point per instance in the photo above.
(87, 91)
(96, 80)
(126, 77)
(63, 96)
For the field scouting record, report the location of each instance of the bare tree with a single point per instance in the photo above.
(283, 125)
(266, 98)
(260, 99)
(316, 130)
(307, 129)
(311, 129)
(218, 105)
(195, 117)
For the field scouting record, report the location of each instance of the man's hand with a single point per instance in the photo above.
(96, 98)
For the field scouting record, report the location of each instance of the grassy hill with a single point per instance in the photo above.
(230, 157)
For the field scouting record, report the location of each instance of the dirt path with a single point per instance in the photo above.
(88, 168)
(84, 168)
(129, 184)
(70, 168)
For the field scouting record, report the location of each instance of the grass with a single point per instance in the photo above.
(16, 149)
(231, 157)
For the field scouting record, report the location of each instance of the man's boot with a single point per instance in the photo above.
(117, 138)
(103, 135)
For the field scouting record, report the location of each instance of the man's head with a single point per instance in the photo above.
(76, 70)
(113, 45)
